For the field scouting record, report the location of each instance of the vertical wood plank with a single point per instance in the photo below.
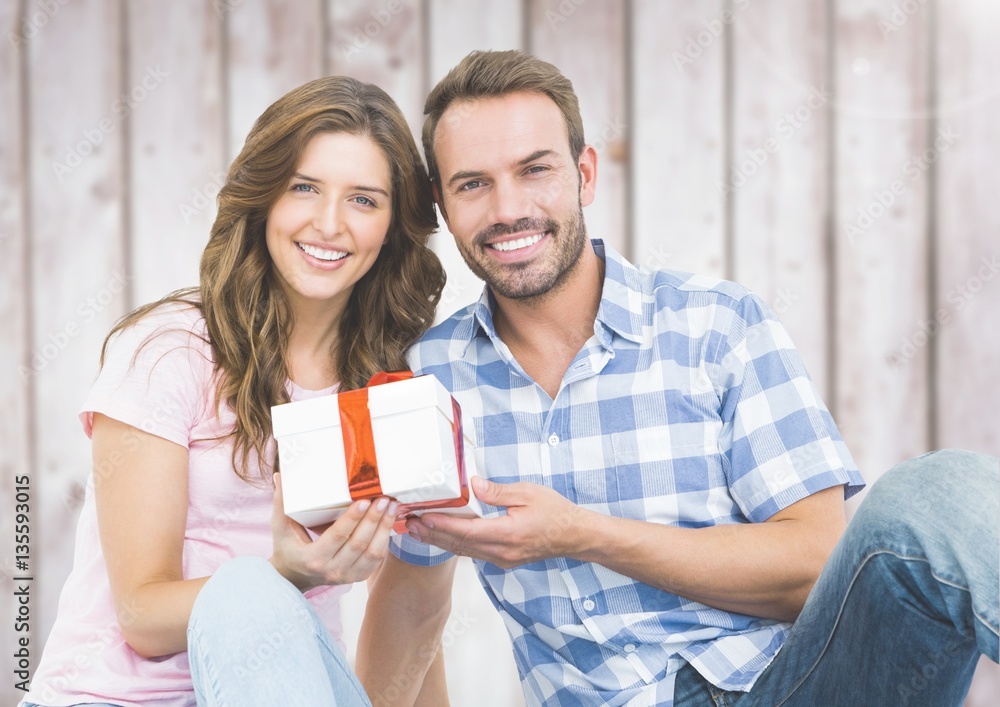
(968, 243)
(382, 43)
(77, 266)
(15, 400)
(678, 92)
(274, 46)
(881, 99)
(968, 248)
(455, 29)
(779, 180)
(175, 149)
(587, 43)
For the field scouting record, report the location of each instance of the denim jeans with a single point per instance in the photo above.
(904, 606)
(254, 640)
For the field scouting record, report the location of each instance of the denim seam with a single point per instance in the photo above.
(840, 613)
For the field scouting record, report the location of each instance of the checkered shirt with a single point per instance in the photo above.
(689, 406)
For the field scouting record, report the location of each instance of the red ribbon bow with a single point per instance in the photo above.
(359, 446)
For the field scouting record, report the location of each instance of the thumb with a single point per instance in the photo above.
(497, 494)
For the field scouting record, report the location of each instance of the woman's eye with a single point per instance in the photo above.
(365, 201)
(302, 187)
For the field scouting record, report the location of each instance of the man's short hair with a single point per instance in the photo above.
(484, 74)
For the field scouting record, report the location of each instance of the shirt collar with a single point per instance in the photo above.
(620, 310)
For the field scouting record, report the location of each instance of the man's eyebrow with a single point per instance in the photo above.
(356, 187)
(537, 154)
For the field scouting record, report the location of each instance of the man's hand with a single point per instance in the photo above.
(540, 524)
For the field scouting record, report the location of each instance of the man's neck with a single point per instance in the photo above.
(547, 332)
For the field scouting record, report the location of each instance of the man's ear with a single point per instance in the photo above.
(439, 200)
(588, 174)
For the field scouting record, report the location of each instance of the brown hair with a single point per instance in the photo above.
(483, 74)
(246, 311)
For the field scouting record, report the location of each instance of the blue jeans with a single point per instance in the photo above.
(905, 605)
(253, 639)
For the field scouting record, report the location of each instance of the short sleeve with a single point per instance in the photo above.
(155, 376)
(414, 552)
(778, 440)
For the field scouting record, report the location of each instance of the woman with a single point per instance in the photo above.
(187, 576)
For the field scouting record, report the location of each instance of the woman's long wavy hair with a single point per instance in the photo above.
(248, 317)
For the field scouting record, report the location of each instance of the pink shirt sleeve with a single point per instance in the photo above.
(155, 376)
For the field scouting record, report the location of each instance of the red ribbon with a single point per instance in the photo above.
(359, 446)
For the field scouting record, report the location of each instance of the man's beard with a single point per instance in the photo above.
(532, 279)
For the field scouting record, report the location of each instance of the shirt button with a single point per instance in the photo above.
(553, 440)
(589, 605)
(630, 648)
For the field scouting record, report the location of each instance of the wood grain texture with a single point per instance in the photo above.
(383, 43)
(779, 178)
(78, 112)
(175, 149)
(454, 30)
(566, 34)
(274, 46)
(15, 308)
(677, 161)
(881, 101)
(968, 229)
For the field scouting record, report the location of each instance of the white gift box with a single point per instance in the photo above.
(415, 450)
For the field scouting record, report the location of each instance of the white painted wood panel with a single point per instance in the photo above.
(383, 43)
(274, 46)
(881, 102)
(779, 178)
(79, 109)
(15, 308)
(968, 229)
(175, 149)
(565, 34)
(677, 161)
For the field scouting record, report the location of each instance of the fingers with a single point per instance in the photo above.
(358, 540)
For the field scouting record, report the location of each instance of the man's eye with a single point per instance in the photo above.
(535, 169)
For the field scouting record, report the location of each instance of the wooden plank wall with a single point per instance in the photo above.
(837, 157)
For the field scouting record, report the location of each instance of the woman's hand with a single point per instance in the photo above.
(347, 551)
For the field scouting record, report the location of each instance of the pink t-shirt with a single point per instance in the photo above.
(168, 390)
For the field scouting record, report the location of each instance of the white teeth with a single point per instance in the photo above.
(321, 254)
(507, 246)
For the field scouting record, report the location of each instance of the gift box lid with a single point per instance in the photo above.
(386, 399)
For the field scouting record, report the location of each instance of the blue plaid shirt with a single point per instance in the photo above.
(689, 406)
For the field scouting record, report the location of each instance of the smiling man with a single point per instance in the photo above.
(666, 483)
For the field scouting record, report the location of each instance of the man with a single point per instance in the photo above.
(666, 484)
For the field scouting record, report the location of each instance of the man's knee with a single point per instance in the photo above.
(947, 484)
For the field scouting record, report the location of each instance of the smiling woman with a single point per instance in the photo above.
(189, 582)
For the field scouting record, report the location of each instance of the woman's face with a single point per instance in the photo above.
(325, 231)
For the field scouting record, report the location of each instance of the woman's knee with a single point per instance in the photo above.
(248, 589)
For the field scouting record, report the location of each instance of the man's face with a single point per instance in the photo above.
(511, 193)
